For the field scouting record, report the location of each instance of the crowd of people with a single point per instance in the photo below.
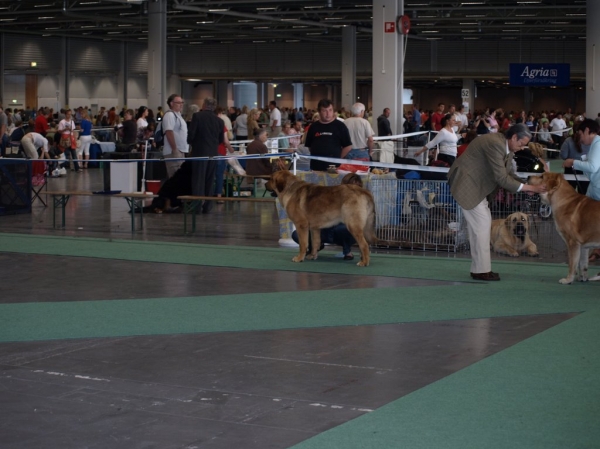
(479, 148)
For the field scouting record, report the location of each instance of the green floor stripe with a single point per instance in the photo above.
(527, 270)
(44, 321)
(541, 393)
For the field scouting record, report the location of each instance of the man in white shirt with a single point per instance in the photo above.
(361, 134)
(558, 124)
(175, 130)
(274, 119)
(31, 142)
(462, 121)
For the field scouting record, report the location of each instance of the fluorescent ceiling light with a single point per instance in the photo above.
(46, 17)
(218, 10)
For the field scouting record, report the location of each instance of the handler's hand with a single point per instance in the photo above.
(568, 163)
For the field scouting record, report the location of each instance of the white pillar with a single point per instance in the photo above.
(298, 95)
(592, 69)
(348, 67)
(157, 53)
(388, 64)
(468, 93)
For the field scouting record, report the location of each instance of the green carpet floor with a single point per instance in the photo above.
(541, 393)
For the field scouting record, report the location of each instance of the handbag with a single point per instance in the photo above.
(65, 141)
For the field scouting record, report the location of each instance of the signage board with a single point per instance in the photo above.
(390, 27)
(533, 75)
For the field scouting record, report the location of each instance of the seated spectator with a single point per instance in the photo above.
(258, 167)
(338, 234)
(127, 133)
(283, 143)
(544, 137)
(573, 148)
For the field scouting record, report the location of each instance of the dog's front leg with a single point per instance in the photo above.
(315, 239)
(573, 251)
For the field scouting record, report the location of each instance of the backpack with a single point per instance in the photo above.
(159, 135)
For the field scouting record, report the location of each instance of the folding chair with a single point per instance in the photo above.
(38, 181)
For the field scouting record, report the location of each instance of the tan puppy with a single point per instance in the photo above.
(511, 236)
(312, 208)
(577, 220)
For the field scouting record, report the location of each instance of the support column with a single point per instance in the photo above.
(123, 76)
(468, 94)
(157, 53)
(263, 94)
(2, 53)
(298, 95)
(221, 92)
(348, 67)
(388, 62)
(592, 69)
(62, 94)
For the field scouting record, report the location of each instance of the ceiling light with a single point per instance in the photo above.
(88, 26)
(334, 18)
(430, 31)
(470, 38)
(292, 40)
(246, 20)
(8, 20)
(552, 31)
(259, 42)
(526, 15)
(126, 25)
(468, 23)
(114, 32)
(53, 28)
(576, 15)
(300, 26)
(472, 3)
(510, 31)
(266, 9)
(290, 20)
(194, 43)
(560, 23)
(474, 15)
(469, 31)
(43, 6)
(204, 22)
(529, 2)
(514, 23)
(46, 17)
(218, 10)
(312, 7)
(433, 38)
(260, 28)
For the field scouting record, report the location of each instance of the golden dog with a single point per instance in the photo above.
(312, 207)
(577, 220)
(511, 236)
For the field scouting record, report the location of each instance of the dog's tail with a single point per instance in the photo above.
(369, 231)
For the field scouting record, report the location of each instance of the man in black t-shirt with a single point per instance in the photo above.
(328, 137)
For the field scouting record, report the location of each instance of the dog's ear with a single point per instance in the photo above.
(553, 181)
(280, 179)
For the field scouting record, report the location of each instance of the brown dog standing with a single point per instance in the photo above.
(577, 220)
(312, 208)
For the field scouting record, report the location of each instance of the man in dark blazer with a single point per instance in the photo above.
(205, 133)
(482, 168)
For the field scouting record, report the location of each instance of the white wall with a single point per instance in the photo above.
(137, 93)
(14, 89)
(47, 92)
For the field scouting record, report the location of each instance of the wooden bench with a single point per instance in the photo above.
(191, 204)
(234, 181)
(135, 200)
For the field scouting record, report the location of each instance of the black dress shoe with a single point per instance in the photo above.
(490, 276)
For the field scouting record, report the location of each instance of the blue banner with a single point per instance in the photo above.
(540, 75)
